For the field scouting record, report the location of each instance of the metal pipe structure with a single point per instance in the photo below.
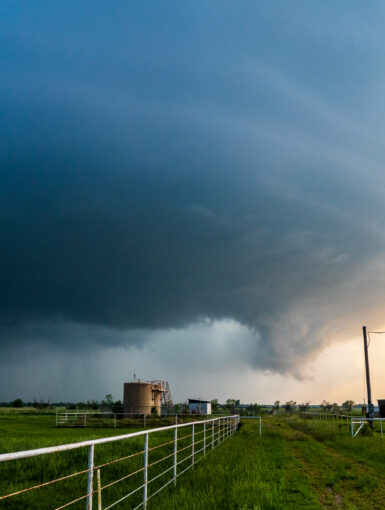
(145, 472)
(90, 481)
(175, 454)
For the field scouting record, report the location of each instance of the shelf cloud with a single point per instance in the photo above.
(163, 170)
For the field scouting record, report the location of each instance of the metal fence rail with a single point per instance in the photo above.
(349, 420)
(152, 467)
(361, 421)
(110, 419)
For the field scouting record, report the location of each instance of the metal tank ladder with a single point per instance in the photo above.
(166, 395)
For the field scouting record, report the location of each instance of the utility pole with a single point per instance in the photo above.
(370, 404)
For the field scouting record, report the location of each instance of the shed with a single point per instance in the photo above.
(199, 406)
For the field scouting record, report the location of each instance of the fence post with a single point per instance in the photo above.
(90, 478)
(99, 490)
(175, 452)
(192, 444)
(145, 472)
(204, 438)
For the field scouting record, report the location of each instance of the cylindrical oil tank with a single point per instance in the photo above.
(141, 398)
(157, 400)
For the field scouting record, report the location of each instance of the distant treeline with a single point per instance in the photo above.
(231, 405)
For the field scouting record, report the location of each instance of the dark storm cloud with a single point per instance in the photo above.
(163, 165)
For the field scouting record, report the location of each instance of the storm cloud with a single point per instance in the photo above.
(165, 165)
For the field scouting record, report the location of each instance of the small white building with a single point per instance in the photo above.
(199, 406)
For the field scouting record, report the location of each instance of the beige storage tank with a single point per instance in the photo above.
(141, 397)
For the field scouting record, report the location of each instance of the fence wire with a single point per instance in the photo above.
(146, 472)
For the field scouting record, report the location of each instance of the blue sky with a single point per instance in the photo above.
(188, 178)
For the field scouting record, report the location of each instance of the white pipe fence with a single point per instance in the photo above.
(348, 420)
(361, 421)
(183, 452)
(110, 419)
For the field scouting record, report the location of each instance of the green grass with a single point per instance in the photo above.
(22, 432)
(296, 463)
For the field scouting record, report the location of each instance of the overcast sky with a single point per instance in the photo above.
(191, 191)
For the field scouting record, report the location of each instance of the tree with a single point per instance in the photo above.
(290, 405)
(107, 402)
(108, 399)
(304, 406)
(326, 406)
(18, 403)
(348, 405)
(230, 403)
(117, 407)
(42, 404)
(335, 407)
(94, 404)
(214, 405)
(276, 405)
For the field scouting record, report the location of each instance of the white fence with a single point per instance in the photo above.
(181, 451)
(349, 421)
(361, 421)
(110, 419)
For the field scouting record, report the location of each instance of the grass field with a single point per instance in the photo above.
(296, 463)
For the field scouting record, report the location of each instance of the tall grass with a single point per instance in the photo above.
(295, 464)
